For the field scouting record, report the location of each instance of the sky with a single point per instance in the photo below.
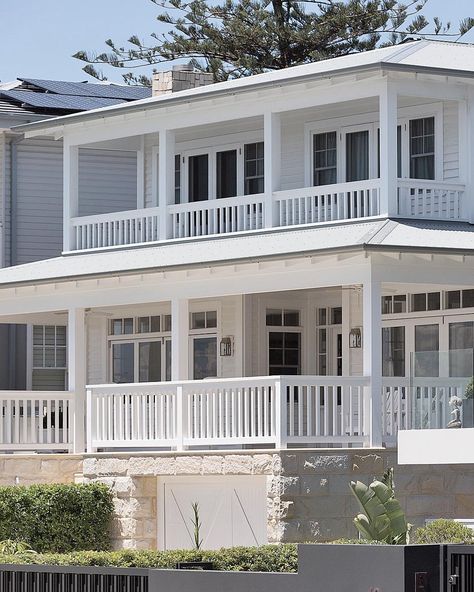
(38, 37)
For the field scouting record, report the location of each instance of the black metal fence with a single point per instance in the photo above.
(45, 578)
(460, 568)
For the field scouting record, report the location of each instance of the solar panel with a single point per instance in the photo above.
(88, 89)
(54, 101)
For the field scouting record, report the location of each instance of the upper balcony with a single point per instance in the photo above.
(304, 151)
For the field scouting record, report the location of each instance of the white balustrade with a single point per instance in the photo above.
(217, 216)
(435, 200)
(36, 420)
(327, 203)
(233, 411)
(115, 229)
(131, 415)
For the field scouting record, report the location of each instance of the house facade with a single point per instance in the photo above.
(290, 291)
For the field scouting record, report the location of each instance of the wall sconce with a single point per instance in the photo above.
(355, 338)
(226, 347)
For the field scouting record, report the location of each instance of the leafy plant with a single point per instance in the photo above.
(57, 517)
(10, 547)
(444, 531)
(196, 522)
(469, 392)
(383, 518)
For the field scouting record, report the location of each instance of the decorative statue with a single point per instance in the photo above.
(456, 404)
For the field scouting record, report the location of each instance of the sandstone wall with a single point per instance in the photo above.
(27, 469)
(308, 496)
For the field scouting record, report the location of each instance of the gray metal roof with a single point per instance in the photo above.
(374, 234)
(436, 57)
(88, 89)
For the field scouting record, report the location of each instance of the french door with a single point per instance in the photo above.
(141, 361)
(284, 352)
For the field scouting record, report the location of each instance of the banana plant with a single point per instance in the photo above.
(383, 518)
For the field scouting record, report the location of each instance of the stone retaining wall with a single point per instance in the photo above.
(308, 491)
(28, 469)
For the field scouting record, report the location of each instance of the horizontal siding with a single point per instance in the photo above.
(49, 380)
(38, 229)
(107, 181)
(451, 141)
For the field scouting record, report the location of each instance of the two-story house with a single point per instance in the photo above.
(295, 274)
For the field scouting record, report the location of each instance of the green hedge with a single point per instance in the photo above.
(269, 558)
(57, 518)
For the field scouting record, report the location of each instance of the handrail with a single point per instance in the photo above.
(115, 216)
(324, 189)
(196, 206)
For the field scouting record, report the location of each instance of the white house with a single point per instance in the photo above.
(296, 273)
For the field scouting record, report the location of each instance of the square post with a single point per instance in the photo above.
(272, 166)
(165, 181)
(70, 193)
(388, 150)
(141, 174)
(179, 339)
(76, 348)
(372, 360)
(466, 152)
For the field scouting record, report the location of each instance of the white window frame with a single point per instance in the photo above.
(370, 121)
(204, 306)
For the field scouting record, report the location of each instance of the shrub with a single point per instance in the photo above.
(444, 531)
(57, 518)
(268, 558)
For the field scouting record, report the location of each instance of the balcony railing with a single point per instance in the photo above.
(36, 420)
(277, 410)
(435, 200)
(310, 205)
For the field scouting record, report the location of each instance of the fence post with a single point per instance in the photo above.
(280, 414)
(89, 420)
(180, 418)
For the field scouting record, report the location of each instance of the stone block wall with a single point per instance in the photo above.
(308, 495)
(28, 469)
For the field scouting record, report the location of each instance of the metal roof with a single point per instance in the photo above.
(437, 57)
(374, 234)
(88, 89)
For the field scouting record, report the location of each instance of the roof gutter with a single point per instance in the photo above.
(210, 92)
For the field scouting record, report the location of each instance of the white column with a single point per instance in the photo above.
(346, 328)
(70, 192)
(272, 170)
(388, 150)
(76, 346)
(179, 339)
(466, 153)
(372, 359)
(165, 180)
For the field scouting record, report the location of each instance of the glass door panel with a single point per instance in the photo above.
(198, 183)
(226, 173)
(426, 362)
(149, 361)
(204, 357)
(461, 348)
(167, 359)
(357, 156)
(123, 362)
(284, 353)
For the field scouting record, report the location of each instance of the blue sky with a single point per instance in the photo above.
(38, 37)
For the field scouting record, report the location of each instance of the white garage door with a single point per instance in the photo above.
(232, 511)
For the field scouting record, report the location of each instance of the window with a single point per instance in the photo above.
(336, 315)
(460, 299)
(204, 357)
(426, 362)
(121, 326)
(329, 316)
(123, 363)
(149, 324)
(226, 173)
(324, 158)
(254, 168)
(49, 346)
(322, 352)
(177, 179)
(282, 318)
(423, 302)
(204, 320)
(284, 353)
(393, 351)
(422, 148)
(198, 181)
(394, 304)
(461, 349)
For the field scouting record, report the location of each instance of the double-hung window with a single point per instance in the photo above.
(325, 158)
(422, 148)
(49, 357)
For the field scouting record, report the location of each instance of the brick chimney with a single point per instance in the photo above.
(181, 77)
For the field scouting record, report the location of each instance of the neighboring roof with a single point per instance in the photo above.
(375, 234)
(28, 96)
(437, 57)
